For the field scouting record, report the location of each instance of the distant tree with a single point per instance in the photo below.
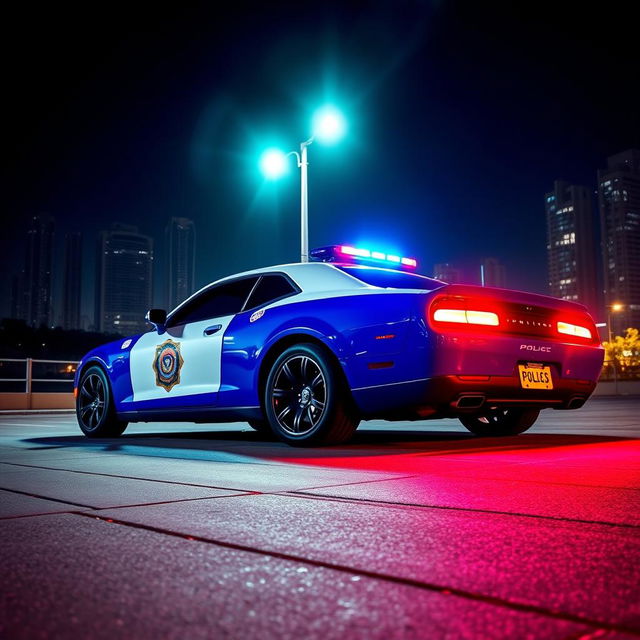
(624, 353)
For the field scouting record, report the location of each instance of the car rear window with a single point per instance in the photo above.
(390, 279)
(270, 288)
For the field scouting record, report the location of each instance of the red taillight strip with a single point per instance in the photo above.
(574, 330)
(464, 313)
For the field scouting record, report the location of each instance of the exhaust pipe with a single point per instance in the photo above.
(469, 402)
(576, 403)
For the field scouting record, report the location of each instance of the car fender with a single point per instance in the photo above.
(113, 357)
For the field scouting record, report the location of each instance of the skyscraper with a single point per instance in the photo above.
(72, 281)
(124, 280)
(181, 260)
(619, 203)
(493, 273)
(572, 250)
(36, 277)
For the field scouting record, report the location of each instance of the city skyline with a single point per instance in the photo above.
(64, 299)
(449, 144)
(576, 266)
(619, 204)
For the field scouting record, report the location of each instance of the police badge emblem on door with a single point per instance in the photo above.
(167, 364)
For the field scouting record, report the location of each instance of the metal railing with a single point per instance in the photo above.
(32, 375)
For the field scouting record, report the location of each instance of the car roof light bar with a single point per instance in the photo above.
(349, 253)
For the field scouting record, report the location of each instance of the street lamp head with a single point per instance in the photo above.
(617, 306)
(273, 164)
(328, 125)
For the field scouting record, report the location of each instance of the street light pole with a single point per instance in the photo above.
(304, 201)
(328, 126)
(612, 308)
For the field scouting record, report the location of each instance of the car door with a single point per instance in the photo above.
(182, 365)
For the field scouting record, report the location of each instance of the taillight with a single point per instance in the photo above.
(467, 316)
(573, 330)
(459, 311)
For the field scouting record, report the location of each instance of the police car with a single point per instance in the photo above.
(308, 350)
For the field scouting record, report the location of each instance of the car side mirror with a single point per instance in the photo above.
(158, 318)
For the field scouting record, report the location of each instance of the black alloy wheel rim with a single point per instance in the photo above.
(299, 395)
(92, 401)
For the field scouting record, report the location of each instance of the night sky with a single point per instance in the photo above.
(460, 116)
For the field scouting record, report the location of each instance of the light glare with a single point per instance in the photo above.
(574, 330)
(328, 125)
(273, 164)
(376, 255)
(462, 316)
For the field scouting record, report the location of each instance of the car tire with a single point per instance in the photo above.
(500, 421)
(94, 406)
(306, 398)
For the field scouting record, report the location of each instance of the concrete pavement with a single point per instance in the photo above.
(414, 530)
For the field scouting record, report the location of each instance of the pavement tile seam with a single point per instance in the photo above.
(203, 486)
(410, 505)
(155, 504)
(433, 587)
(39, 515)
(50, 499)
(126, 506)
(114, 475)
(356, 482)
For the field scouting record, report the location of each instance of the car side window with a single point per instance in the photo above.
(271, 287)
(223, 300)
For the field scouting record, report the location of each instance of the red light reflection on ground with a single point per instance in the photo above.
(579, 459)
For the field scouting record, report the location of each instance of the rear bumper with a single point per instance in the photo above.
(455, 366)
(452, 395)
(458, 394)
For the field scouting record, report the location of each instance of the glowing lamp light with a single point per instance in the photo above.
(273, 164)
(352, 251)
(463, 316)
(574, 330)
(356, 252)
(328, 125)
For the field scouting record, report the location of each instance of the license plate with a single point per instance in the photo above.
(535, 376)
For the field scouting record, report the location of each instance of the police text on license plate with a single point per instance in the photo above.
(535, 376)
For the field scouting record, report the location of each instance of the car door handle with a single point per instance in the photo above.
(214, 328)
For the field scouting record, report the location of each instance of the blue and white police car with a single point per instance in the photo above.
(308, 350)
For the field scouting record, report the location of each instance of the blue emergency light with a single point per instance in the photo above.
(347, 253)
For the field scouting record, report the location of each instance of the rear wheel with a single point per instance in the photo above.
(94, 406)
(500, 421)
(306, 399)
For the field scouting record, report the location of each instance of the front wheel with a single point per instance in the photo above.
(500, 421)
(306, 398)
(94, 406)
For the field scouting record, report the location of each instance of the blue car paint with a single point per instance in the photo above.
(359, 330)
(348, 326)
(382, 339)
(115, 361)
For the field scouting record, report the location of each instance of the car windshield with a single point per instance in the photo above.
(389, 279)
